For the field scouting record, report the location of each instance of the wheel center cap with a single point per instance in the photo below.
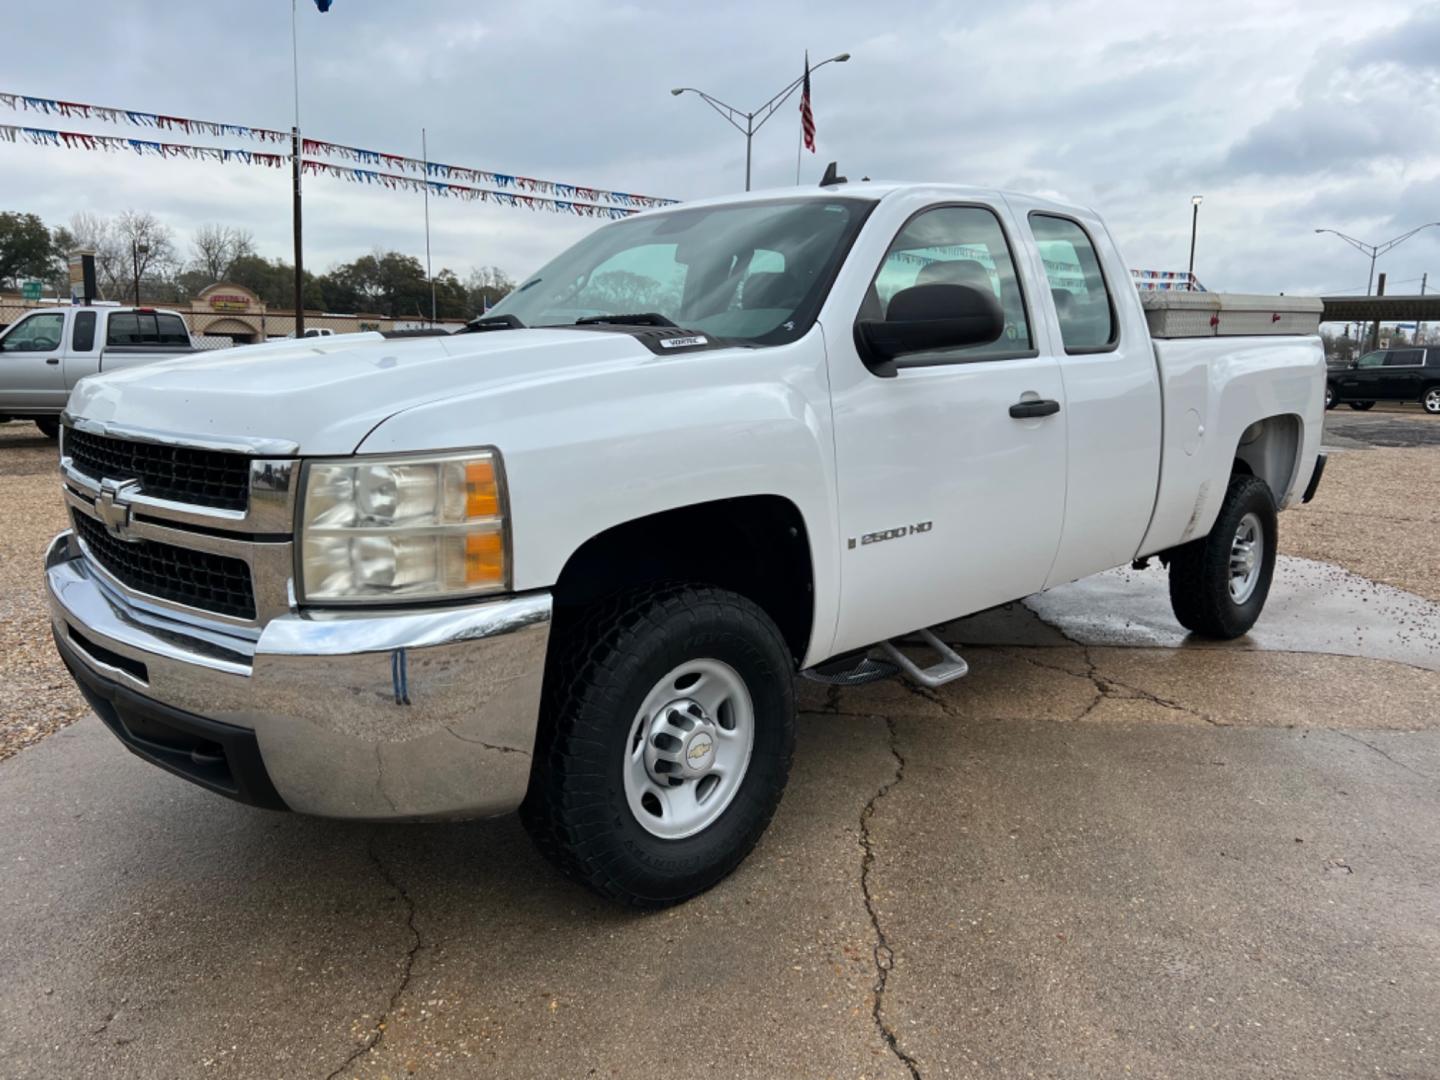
(680, 744)
(699, 750)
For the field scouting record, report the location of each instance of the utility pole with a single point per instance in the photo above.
(1375, 326)
(1420, 326)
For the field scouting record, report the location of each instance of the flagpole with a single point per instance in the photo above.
(295, 176)
(800, 145)
(425, 161)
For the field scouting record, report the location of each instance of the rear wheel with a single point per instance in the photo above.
(1330, 401)
(1218, 584)
(49, 426)
(665, 743)
(1361, 406)
(1431, 401)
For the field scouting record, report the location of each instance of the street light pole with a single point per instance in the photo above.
(1375, 251)
(755, 119)
(1195, 201)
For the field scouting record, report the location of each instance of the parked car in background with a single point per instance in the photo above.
(44, 354)
(571, 560)
(1407, 373)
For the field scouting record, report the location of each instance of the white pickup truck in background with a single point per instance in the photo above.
(46, 352)
(572, 560)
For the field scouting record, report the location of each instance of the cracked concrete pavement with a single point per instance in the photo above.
(1110, 850)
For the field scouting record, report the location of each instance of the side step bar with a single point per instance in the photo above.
(948, 668)
(858, 669)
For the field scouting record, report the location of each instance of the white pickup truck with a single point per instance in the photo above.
(571, 561)
(45, 352)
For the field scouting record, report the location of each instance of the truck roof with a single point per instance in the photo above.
(874, 191)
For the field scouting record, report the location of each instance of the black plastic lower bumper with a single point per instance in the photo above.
(1314, 478)
(224, 758)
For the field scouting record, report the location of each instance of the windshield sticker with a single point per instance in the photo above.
(681, 342)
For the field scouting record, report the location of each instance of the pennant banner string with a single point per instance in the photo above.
(431, 170)
(445, 189)
(75, 140)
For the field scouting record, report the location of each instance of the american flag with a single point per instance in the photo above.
(807, 118)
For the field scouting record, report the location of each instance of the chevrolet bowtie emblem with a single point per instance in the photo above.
(112, 506)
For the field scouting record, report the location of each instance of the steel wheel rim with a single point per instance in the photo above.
(1247, 553)
(689, 749)
(1432, 400)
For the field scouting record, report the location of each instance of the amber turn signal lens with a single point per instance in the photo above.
(484, 558)
(482, 494)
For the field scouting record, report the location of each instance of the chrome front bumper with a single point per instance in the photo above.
(421, 713)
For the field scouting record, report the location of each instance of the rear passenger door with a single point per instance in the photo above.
(1403, 375)
(1112, 392)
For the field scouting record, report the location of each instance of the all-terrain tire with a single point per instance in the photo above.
(1200, 571)
(599, 672)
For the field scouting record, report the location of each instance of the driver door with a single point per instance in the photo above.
(31, 375)
(949, 502)
(1362, 382)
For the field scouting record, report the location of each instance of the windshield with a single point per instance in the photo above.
(756, 272)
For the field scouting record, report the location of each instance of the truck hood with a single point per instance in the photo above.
(324, 395)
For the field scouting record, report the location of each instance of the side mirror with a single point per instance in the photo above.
(923, 318)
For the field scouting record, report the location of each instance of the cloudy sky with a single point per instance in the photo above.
(1286, 116)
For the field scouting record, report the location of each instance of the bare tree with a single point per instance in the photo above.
(147, 242)
(215, 248)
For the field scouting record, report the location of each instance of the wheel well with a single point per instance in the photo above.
(756, 546)
(1269, 449)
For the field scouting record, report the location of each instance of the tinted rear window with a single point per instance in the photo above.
(146, 328)
(1405, 358)
(171, 329)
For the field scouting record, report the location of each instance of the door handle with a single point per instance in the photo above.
(52, 359)
(1029, 410)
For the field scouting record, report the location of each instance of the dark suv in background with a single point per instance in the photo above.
(1408, 373)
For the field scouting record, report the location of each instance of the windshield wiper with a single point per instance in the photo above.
(492, 322)
(644, 318)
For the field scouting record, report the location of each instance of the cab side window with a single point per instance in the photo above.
(82, 337)
(956, 245)
(36, 333)
(1077, 285)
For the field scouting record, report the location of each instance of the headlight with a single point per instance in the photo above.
(403, 528)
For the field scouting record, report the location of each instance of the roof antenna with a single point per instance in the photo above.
(831, 178)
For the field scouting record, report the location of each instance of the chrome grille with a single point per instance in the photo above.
(196, 579)
(183, 474)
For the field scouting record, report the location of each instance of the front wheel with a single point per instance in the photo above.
(665, 743)
(1218, 584)
(1361, 406)
(1431, 401)
(49, 426)
(1330, 401)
